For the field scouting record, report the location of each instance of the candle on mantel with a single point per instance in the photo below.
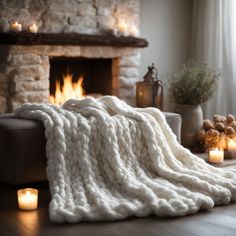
(123, 27)
(133, 30)
(216, 155)
(27, 199)
(16, 27)
(33, 28)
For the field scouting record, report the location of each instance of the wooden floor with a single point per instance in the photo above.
(13, 222)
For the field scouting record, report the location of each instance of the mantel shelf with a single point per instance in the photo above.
(26, 38)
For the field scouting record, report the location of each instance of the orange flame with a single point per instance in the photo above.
(68, 90)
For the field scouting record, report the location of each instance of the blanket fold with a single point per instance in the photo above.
(108, 161)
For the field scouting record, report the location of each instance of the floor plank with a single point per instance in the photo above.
(217, 222)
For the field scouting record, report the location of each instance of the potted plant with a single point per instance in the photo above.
(193, 85)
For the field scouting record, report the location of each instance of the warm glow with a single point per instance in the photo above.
(231, 145)
(27, 194)
(27, 199)
(68, 90)
(216, 155)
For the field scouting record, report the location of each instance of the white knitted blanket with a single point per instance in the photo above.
(109, 161)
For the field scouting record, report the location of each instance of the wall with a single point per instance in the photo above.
(166, 24)
(79, 16)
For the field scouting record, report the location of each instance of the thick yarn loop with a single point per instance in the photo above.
(108, 161)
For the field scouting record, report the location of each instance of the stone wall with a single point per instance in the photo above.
(79, 16)
(24, 70)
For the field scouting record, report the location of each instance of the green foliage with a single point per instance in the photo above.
(193, 84)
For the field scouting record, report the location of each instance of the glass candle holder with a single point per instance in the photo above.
(216, 155)
(27, 199)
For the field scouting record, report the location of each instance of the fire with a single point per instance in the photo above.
(68, 90)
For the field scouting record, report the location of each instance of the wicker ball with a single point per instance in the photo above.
(229, 130)
(230, 118)
(220, 126)
(208, 124)
(218, 118)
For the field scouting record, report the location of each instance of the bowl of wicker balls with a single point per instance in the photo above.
(220, 132)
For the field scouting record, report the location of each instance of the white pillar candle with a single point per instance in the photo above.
(16, 27)
(133, 30)
(27, 199)
(123, 27)
(216, 155)
(33, 28)
(231, 145)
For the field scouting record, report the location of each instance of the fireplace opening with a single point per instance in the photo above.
(86, 76)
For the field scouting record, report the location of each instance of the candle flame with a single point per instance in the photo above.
(27, 194)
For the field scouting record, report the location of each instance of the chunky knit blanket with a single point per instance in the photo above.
(108, 161)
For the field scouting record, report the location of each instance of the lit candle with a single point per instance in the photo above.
(232, 145)
(27, 198)
(133, 30)
(216, 155)
(33, 28)
(123, 27)
(16, 27)
(231, 149)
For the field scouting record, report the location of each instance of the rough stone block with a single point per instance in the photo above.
(36, 8)
(35, 71)
(106, 22)
(63, 6)
(3, 77)
(127, 93)
(101, 11)
(130, 61)
(127, 82)
(31, 96)
(129, 72)
(3, 105)
(4, 25)
(80, 30)
(128, 9)
(54, 22)
(16, 4)
(3, 89)
(25, 59)
(23, 86)
(105, 3)
(16, 77)
(83, 21)
(86, 8)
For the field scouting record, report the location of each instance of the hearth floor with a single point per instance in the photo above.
(219, 221)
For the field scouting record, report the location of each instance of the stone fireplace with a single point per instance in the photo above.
(25, 64)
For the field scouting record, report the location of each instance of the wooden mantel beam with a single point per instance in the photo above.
(26, 38)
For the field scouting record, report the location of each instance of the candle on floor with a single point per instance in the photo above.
(33, 28)
(16, 27)
(216, 155)
(27, 199)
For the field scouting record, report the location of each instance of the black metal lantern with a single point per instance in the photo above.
(149, 93)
